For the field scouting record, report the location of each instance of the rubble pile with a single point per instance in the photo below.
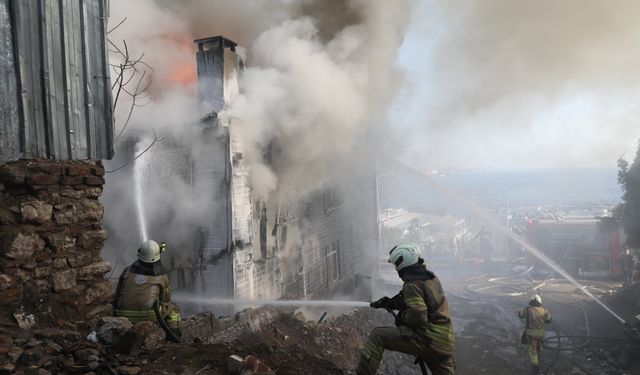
(50, 240)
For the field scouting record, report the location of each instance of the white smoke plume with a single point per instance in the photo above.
(319, 78)
(516, 83)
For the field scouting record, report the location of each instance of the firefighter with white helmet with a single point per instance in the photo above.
(536, 317)
(143, 292)
(423, 323)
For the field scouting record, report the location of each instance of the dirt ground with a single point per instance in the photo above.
(484, 309)
(485, 320)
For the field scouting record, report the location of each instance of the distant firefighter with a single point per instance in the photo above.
(144, 294)
(628, 267)
(536, 317)
(423, 323)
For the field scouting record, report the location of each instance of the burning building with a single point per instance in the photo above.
(243, 245)
(253, 248)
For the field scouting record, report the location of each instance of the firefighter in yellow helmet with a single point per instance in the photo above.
(536, 317)
(144, 294)
(423, 323)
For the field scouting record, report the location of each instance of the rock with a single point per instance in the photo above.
(92, 239)
(65, 214)
(86, 356)
(149, 336)
(97, 292)
(92, 270)
(93, 192)
(32, 356)
(23, 246)
(60, 243)
(235, 363)
(254, 366)
(64, 280)
(128, 370)
(36, 212)
(52, 347)
(25, 321)
(14, 354)
(8, 368)
(109, 329)
(93, 365)
(5, 281)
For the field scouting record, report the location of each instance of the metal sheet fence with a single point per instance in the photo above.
(55, 90)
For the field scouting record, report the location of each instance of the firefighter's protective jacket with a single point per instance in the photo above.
(139, 287)
(536, 317)
(427, 310)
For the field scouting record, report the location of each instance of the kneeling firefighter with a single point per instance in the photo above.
(423, 323)
(144, 294)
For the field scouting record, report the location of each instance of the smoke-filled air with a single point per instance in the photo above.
(319, 155)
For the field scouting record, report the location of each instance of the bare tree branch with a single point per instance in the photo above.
(155, 140)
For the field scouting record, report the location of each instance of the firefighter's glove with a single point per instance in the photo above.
(382, 303)
(397, 302)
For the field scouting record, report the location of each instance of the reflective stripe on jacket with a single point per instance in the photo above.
(429, 314)
(136, 293)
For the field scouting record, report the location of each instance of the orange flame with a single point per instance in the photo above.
(184, 73)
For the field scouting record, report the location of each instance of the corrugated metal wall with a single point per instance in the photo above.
(55, 90)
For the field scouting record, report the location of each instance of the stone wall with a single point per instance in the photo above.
(50, 240)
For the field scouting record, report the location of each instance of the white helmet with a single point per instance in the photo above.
(405, 255)
(536, 297)
(149, 252)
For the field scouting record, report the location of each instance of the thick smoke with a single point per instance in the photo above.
(518, 83)
(313, 99)
(316, 88)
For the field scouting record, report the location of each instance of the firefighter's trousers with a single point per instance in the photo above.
(534, 348)
(392, 338)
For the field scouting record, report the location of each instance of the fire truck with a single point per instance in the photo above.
(583, 247)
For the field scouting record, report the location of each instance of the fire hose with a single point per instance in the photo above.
(170, 334)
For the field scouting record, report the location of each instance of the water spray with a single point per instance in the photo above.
(138, 170)
(261, 302)
(498, 227)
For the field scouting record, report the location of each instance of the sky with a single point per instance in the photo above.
(513, 84)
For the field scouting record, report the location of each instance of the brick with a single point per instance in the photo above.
(99, 171)
(51, 168)
(42, 179)
(13, 173)
(72, 180)
(94, 180)
(77, 169)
